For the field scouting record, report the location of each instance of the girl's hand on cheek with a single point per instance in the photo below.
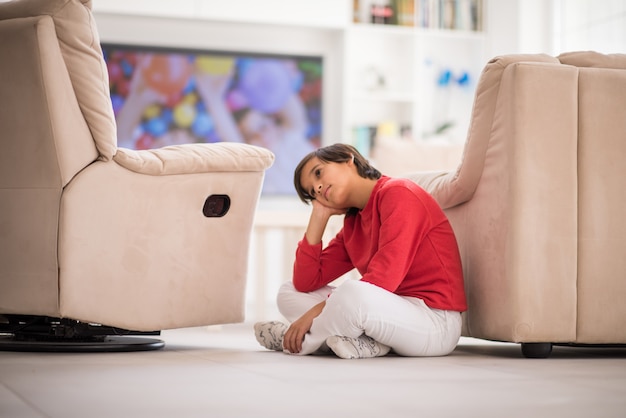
(318, 221)
(326, 211)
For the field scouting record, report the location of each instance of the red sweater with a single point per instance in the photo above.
(401, 241)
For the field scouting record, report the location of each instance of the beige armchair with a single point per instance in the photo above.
(537, 202)
(137, 240)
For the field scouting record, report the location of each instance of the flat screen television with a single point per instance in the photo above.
(166, 96)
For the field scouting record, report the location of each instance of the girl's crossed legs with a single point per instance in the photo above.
(355, 308)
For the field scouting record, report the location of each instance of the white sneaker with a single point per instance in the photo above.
(270, 334)
(361, 347)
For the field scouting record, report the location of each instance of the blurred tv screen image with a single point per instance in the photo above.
(169, 96)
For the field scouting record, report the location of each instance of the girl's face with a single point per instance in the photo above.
(328, 183)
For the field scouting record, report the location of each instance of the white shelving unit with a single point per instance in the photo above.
(410, 76)
(379, 80)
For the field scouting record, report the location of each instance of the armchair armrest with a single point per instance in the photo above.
(448, 189)
(195, 158)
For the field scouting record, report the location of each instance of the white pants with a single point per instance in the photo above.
(405, 324)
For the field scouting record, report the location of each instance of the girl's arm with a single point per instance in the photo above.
(314, 268)
(294, 336)
(318, 222)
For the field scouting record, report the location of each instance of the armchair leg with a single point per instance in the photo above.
(536, 350)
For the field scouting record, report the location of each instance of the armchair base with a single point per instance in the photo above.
(45, 334)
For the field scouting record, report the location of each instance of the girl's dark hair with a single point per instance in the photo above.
(336, 153)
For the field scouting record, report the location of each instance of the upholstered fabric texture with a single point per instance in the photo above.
(536, 201)
(593, 59)
(97, 234)
(79, 42)
(195, 158)
(602, 199)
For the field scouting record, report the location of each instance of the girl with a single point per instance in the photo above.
(410, 295)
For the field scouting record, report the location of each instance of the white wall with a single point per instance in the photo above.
(556, 26)
(318, 13)
(598, 25)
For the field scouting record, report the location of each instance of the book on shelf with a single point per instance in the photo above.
(450, 14)
(431, 14)
(390, 12)
(404, 12)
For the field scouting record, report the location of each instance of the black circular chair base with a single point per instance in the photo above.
(108, 344)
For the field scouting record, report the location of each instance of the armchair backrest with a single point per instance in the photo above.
(81, 52)
(45, 138)
(592, 59)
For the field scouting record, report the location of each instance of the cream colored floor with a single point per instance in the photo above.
(222, 372)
